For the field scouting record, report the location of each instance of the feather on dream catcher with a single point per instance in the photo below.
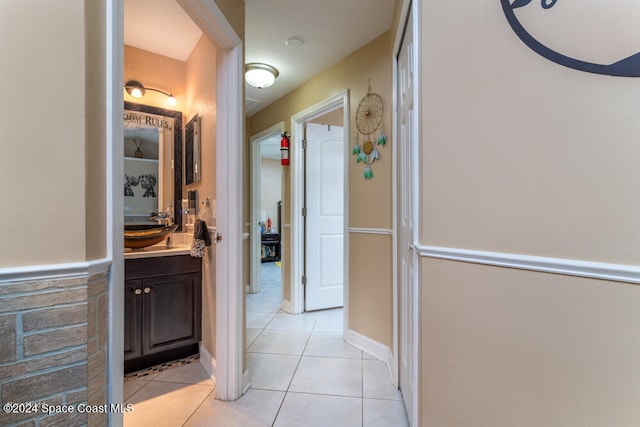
(369, 120)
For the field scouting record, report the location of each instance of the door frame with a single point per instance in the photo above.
(229, 175)
(340, 100)
(256, 179)
(408, 7)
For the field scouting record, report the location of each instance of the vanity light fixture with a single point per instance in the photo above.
(260, 75)
(137, 90)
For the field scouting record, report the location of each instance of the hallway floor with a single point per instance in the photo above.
(302, 374)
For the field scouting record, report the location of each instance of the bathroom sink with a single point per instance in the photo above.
(141, 236)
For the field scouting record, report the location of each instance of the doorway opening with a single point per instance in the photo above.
(266, 203)
(315, 205)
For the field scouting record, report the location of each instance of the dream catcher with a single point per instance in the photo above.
(369, 120)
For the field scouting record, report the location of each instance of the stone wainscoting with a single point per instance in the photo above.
(54, 348)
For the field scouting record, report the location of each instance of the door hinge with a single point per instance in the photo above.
(304, 144)
(304, 211)
(304, 280)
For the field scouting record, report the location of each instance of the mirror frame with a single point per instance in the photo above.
(177, 152)
(192, 147)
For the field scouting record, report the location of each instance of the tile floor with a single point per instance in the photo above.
(302, 374)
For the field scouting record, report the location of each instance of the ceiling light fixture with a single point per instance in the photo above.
(260, 75)
(294, 42)
(137, 90)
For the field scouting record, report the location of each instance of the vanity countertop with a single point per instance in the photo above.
(156, 251)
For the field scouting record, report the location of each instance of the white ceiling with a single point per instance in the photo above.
(330, 30)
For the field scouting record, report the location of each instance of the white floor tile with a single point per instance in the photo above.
(328, 375)
(293, 322)
(280, 342)
(192, 373)
(308, 410)
(376, 381)
(384, 413)
(258, 320)
(265, 305)
(271, 371)
(132, 386)
(252, 334)
(330, 345)
(333, 324)
(161, 404)
(255, 409)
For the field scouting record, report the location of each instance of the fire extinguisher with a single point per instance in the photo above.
(284, 149)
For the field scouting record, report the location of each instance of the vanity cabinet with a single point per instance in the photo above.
(163, 310)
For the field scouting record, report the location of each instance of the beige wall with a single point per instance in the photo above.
(370, 201)
(42, 156)
(233, 10)
(158, 72)
(95, 131)
(517, 145)
(201, 100)
(523, 156)
(507, 347)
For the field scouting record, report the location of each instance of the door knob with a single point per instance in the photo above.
(137, 291)
(147, 290)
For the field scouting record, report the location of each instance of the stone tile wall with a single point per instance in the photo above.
(97, 346)
(53, 349)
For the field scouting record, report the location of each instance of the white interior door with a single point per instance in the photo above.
(407, 292)
(324, 220)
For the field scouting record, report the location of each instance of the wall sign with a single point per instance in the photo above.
(626, 66)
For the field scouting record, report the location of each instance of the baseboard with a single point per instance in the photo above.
(287, 306)
(246, 381)
(375, 349)
(208, 362)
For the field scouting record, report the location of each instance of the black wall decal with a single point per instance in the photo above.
(625, 67)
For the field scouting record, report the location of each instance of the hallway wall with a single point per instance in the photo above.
(43, 79)
(523, 157)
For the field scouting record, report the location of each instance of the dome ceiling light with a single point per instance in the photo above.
(260, 75)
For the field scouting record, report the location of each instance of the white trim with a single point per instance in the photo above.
(229, 175)
(246, 381)
(340, 100)
(229, 332)
(209, 18)
(44, 272)
(98, 266)
(115, 203)
(254, 231)
(208, 363)
(569, 267)
(287, 306)
(384, 231)
(408, 8)
(374, 348)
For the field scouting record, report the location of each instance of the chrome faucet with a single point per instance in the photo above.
(161, 218)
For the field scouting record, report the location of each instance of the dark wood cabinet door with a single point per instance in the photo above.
(171, 312)
(132, 319)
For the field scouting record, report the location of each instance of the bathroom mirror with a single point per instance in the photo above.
(152, 163)
(192, 150)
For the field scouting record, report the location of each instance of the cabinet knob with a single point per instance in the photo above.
(137, 291)
(147, 290)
